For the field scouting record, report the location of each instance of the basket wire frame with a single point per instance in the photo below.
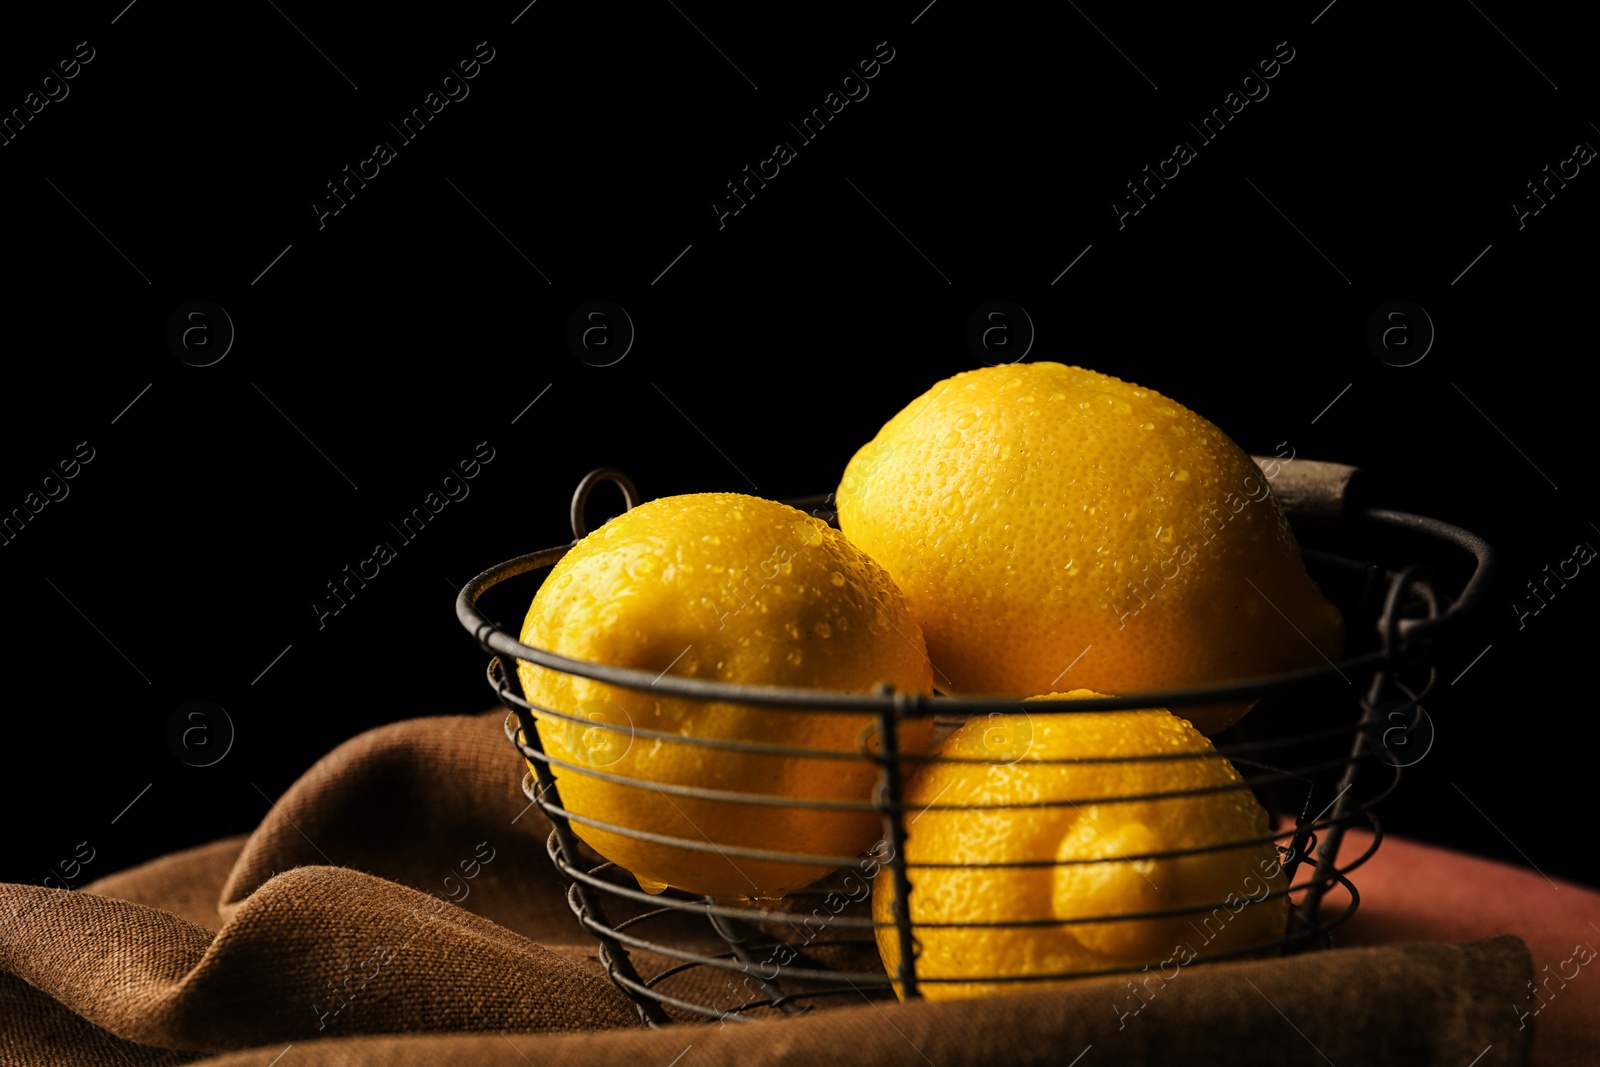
(1411, 625)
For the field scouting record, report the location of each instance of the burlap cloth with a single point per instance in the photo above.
(397, 906)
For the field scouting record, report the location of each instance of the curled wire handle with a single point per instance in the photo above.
(580, 496)
(1393, 628)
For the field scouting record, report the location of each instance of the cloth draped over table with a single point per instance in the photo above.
(397, 906)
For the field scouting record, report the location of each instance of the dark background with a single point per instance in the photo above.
(377, 351)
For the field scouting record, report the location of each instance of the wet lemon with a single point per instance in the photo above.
(1058, 819)
(1056, 528)
(727, 588)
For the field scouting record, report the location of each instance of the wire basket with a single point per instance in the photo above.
(681, 957)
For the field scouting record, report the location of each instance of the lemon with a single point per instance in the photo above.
(727, 588)
(1096, 855)
(1057, 528)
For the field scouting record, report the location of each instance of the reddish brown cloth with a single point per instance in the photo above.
(396, 906)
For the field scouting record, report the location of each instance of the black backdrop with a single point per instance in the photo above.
(376, 347)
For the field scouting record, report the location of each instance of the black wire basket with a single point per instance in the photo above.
(682, 957)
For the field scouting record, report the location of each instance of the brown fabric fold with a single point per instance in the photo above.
(1359, 1007)
(397, 906)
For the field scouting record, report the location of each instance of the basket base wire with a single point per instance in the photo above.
(613, 956)
(736, 961)
(737, 935)
(728, 961)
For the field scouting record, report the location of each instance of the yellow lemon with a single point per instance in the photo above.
(1056, 528)
(1102, 849)
(728, 588)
